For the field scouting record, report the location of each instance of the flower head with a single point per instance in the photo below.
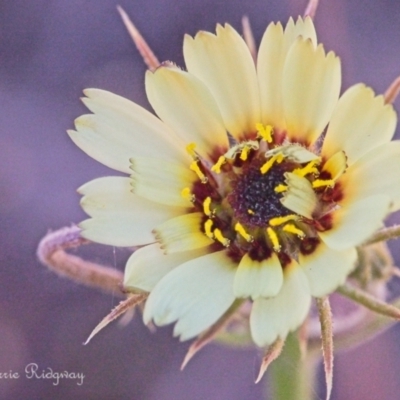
(256, 182)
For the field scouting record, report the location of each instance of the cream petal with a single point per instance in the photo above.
(120, 129)
(148, 265)
(258, 278)
(359, 123)
(354, 223)
(270, 61)
(195, 294)
(311, 86)
(336, 165)
(119, 217)
(183, 102)
(299, 196)
(276, 317)
(374, 173)
(224, 63)
(327, 268)
(182, 233)
(161, 181)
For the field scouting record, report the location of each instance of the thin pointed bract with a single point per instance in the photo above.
(311, 8)
(249, 37)
(361, 297)
(392, 91)
(325, 319)
(119, 310)
(210, 333)
(273, 352)
(51, 252)
(303, 335)
(144, 49)
(392, 232)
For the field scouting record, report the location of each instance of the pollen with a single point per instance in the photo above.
(187, 194)
(194, 166)
(310, 168)
(273, 237)
(281, 220)
(293, 229)
(217, 166)
(190, 149)
(206, 206)
(265, 132)
(323, 182)
(281, 188)
(242, 232)
(245, 153)
(223, 240)
(276, 158)
(207, 229)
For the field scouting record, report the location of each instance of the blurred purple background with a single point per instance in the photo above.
(50, 51)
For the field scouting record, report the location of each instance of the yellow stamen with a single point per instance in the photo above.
(293, 229)
(323, 182)
(207, 229)
(280, 188)
(190, 149)
(245, 152)
(206, 206)
(239, 229)
(251, 212)
(281, 220)
(195, 167)
(223, 240)
(273, 237)
(217, 166)
(265, 132)
(268, 165)
(186, 194)
(308, 169)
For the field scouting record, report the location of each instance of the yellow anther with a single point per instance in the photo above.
(245, 153)
(273, 237)
(217, 166)
(195, 167)
(265, 132)
(281, 220)
(186, 194)
(223, 240)
(207, 229)
(293, 229)
(206, 206)
(308, 169)
(280, 188)
(323, 182)
(190, 149)
(276, 158)
(242, 232)
(251, 212)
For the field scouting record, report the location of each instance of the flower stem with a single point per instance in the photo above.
(292, 375)
(384, 234)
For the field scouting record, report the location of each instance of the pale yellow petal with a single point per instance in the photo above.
(326, 268)
(161, 181)
(274, 318)
(182, 233)
(184, 103)
(224, 63)
(195, 294)
(119, 217)
(258, 278)
(311, 86)
(355, 222)
(299, 196)
(148, 265)
(270, 61)
(359, 123)
(120, 129)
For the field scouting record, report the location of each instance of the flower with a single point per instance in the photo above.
(257, 182)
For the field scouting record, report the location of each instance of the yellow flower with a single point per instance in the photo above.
(256, 182)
